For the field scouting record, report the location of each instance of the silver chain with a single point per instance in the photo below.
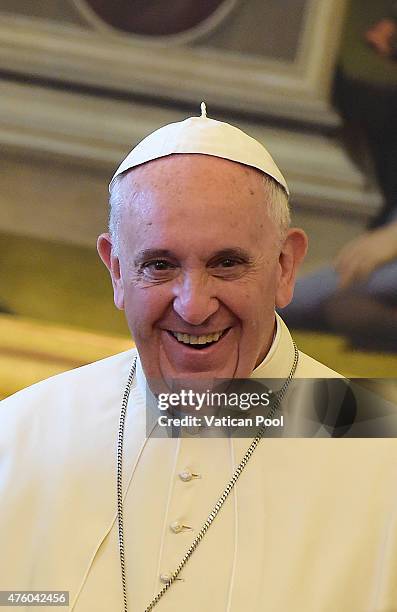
(214, 512)
(120, 442)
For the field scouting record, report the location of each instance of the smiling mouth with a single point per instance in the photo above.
(199, 342)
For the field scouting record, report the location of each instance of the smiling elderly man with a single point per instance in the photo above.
(200, 253)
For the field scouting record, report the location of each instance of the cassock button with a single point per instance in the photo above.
(177, 527)
(187, 475)
(165, 577)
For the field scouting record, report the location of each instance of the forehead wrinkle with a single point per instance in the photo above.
(177, 169)
(139, 183)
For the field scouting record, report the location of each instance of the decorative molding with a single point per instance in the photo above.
(98, 133)
(296, 90)
(188, 36)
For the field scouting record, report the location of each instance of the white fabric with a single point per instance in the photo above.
(311, 525)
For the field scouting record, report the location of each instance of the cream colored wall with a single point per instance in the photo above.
(52, 200)
(60, 10)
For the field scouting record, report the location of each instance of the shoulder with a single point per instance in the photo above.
(72, 416)
(311, 368)
(57, 444)
(308, 367)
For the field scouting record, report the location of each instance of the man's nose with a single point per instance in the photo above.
(194, 300)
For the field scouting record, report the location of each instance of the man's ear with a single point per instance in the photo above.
(104, 247)
(292, 254)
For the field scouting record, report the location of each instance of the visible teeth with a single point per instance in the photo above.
(204, 339)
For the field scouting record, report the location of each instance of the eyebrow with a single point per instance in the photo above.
(232, 252)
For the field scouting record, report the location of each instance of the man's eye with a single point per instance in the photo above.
(158, 268)
(228, 268)
(158, 265)
(228, 263)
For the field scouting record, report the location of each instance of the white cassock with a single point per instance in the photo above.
(310, 525)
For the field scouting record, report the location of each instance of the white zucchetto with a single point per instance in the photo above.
(205, 136)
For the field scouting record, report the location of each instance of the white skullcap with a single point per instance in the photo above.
(206, 136)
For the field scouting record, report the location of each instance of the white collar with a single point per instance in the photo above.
(272, 349)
